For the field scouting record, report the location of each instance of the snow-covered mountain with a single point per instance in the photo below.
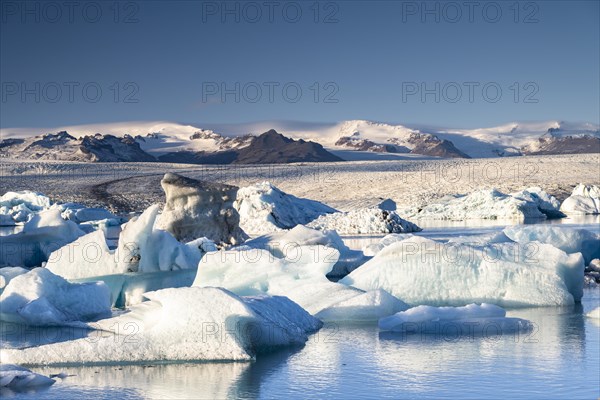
(172, 142)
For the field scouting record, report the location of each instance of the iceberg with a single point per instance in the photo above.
(17, 379)
(568, 240)
(482, 204)
(9, 273)
(585, 199)
(421, 271)
(300, 276)
(41, 298)
(196, 209)
(45, 232)
(466, 321)
(546, 203)
(364, 221)
(263, 208)
(182, 324)
(283, 242)
(372, 249)
(21, 206)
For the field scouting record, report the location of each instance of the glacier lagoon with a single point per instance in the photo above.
(559, 358)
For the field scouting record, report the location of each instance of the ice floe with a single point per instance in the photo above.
(39, 297)
(21, 206)
(45, 232)
(423, 271)
(487, 204)
(585, 199)
(299, 275)
(469, 320)
(183, 324)
(15, 378)
(364, 221)
(263, 208)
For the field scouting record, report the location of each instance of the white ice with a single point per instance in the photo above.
(21, 206)
(372, 249)
(481, 204)
(585, 199)
(567, 239)
(17, 378)
(45, 232)
(283, 242)
(364, 221)
(9, 273)
(595, 313)
(183, 324)
(41, 298)
(472, 319)
(423, 271)
(263, 208)
(300, 276)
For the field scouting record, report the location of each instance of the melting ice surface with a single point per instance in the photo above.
(558, 359)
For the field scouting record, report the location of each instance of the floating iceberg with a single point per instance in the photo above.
(21, 206)
(364, 221)
(83, 214)
(45, 232)
(568, 240)
(484, 204)
(545, 202)
(9, 273)
(183, 324)
(300, 276)
(283, 242)
(470, 320)
(422, 271)
(41, 298)
(196, 209)
(17, 379)
(264, 209)
(375, 248)
(585, 199)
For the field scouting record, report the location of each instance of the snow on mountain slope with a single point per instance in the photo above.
(160, 138)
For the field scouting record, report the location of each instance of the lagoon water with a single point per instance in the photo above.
(560, 358)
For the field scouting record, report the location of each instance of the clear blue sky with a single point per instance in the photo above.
(372, 57)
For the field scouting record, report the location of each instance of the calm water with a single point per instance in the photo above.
(560, 359)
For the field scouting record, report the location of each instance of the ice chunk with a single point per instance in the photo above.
(481, 204)
(585, 199)
(44, 233)
(183, 324)
(300, 276)
(568, 240)
(422, 271)
(464, 321)
(546, 203)
(264, 209)
(195, 209)
(17, 379)
(595, 313)
(8, 273)
(41, 298)
(375, 248)
(284, 242)
(21, 206)
(367, 306)
(88, 214)
(364, 221)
